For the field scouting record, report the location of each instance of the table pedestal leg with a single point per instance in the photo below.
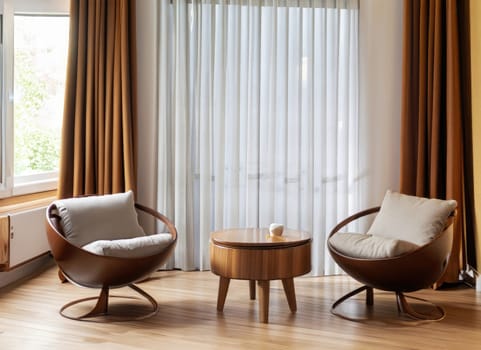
(252, 289)
(288, 284)
(263, 287)
(223, 287)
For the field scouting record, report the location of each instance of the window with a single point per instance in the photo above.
(40, 57)
(35, 44)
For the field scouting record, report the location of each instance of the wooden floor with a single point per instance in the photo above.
(188, 318)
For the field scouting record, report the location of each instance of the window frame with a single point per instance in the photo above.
(9, 184)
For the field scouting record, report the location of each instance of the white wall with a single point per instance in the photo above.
(380, 97)
(380, 42)
(147, 102)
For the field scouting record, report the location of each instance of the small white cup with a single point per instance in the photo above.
(276, 229)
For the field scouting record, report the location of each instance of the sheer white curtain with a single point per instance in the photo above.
(258, 119)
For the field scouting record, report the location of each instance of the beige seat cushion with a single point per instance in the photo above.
(410, 218)
(132, 247)
(94, 218)
(367, 246)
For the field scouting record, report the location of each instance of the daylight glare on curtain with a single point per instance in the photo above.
(258, 119)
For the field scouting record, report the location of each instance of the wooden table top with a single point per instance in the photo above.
(258, 237)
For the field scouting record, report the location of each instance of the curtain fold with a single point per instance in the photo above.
(98, 136)
(258, 119)
(434, 110)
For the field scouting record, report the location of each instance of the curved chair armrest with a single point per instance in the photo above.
(352, 218)
(161, 217)
(451, 218)
(53, 220)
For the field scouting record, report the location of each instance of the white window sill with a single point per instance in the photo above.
(34, 187)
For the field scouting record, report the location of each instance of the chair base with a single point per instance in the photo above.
(402, 305)
(100, 312)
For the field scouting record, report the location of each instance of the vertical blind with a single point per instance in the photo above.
(258, 119)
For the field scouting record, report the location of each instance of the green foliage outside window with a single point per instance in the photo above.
(39, 77)
(36, 146)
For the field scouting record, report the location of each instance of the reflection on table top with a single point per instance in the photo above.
(258, 237)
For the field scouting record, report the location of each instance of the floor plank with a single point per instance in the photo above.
(188, 317)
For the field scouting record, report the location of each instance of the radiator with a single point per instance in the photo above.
(22, 237)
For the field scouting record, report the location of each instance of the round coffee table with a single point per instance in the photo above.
(252, 254)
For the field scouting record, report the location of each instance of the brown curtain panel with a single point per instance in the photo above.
(436, 109)
(98, 137)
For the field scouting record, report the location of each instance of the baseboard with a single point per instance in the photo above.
(25, 271)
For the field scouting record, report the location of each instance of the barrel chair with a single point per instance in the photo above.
(97, 242)
(406, 249)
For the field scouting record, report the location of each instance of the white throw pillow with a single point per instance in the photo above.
(93, 218)
(132, 247)
(366, 246)
(410, 218)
